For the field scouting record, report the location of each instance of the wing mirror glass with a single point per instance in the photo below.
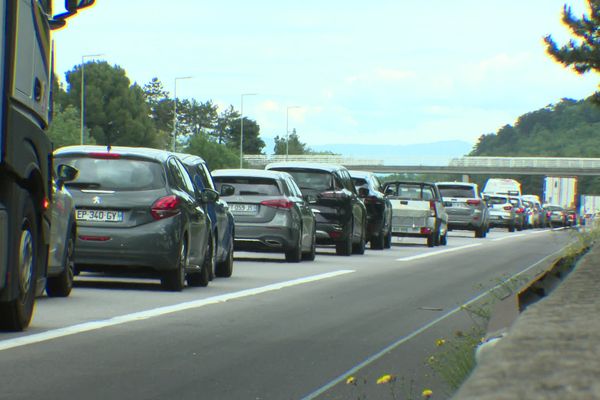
(66, 173)
(227, 190)
(209, 196)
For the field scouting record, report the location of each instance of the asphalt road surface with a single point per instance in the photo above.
(273, 330)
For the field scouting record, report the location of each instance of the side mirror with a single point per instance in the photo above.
(66, 173)
(74, 5)
(363, 192)
(209, 196)
(310, 198)
(227, 190)
(389, 192)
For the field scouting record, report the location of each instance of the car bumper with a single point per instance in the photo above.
(264, 237)
(154, 245)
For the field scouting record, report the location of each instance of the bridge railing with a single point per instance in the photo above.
(526, 162)
(261, 160)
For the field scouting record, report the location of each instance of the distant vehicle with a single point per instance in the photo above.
(560, 191)
(504, 186)
(465, 207)
(379, 209)
(571, 218)
(63, 234)
(138, 211)
(502, 212)
(341, 215)
(520, 212)
(418, 211)
(539, 219)
(270, 212)
(558, 216)
(222, 221)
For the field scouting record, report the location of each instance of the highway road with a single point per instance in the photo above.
(273, 330)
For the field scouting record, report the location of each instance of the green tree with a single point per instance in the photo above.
(65, 128)
(116, 112)
(582, 53)
(216, 155)
(292, 146)
(253, 144)
(224, 123)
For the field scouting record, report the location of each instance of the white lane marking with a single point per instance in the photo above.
(508, 237)
(157, 312)
(352, 371)
(417, 257)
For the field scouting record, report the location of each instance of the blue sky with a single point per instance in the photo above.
(385, 72)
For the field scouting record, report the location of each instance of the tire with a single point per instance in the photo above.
(224, 269)
(174, 280)
(311, 255)
(61, 285)
(444, 240)
(378, 241)
(480, 232)
(344, 248)
(359, 248)
(294, 255)
(430, 240)
(208, 266)
(511, 228)
(16, 314)
(388, 240)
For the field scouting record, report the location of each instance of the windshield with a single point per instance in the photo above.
(457, 191)
(312, 180)
(248, 185)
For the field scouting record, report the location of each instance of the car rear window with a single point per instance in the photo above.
(249, 186)
(410, 191)
(360, 182)
(318, 181)
(497, 200)
(457, 191)
(120, 174)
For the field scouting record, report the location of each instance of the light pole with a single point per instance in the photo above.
(83, 57)
(242, 128)
(175, 109)
(287, 130)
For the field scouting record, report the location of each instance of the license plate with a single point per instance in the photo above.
(403, 230)
(99, 216)
(243, 209)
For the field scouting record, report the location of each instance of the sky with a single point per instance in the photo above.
(378, 72)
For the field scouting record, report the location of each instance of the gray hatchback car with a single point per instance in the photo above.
(270, 212)
(137, 211)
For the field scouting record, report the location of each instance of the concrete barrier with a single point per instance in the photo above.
(552, 351)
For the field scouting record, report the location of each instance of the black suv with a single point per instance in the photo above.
(341, 215)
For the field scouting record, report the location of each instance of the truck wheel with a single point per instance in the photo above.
(61, 285)
(16, 314)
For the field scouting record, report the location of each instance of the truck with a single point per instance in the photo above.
(560, 191)
(25, 151)
(505, 186)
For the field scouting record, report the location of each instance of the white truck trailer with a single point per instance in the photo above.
(560, 191)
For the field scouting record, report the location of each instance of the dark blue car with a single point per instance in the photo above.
(218, 212)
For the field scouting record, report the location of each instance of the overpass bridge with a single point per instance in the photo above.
(546, 166)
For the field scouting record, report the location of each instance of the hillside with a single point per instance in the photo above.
(568, 129)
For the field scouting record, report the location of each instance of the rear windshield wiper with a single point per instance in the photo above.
(83, 185)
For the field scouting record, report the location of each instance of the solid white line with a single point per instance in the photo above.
(418, 257)
(422, 329)
(508, 237)
(157, 312)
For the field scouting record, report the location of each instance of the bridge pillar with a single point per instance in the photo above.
(466, 178)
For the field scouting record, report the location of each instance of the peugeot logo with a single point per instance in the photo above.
(96, 200)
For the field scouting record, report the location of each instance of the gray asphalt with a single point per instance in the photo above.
(244, 339)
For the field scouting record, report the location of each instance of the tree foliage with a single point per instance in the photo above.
(216, 155)
(583, 52)
(65, 128)
(291, 146)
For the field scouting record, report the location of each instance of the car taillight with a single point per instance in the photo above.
(508, 208)
(473, 202)
(432, 210)
(278, 203)
(549, 214)
(165, 207)
(520, 210)
(105, 155)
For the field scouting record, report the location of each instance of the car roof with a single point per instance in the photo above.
(250, 173)
(471, 184)
(306, 165)
(360, 174)
(408, 183)
(189, 159)
(142, 152)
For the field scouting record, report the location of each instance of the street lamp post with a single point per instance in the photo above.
(175, 109)
(242, 128)
(287, 131)
(83, 57)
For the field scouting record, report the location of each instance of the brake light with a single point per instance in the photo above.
(549, 214)
(89, 238)
(473, 202)
(278, 203)
(165, 207)
(432, 210)
(425, 231)
(45, 204)
(508, 208)
(520, 210)
(105, 155)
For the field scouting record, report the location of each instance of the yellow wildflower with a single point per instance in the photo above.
(426, 393)
(351, 380)
(387, 378)
(440, 342)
